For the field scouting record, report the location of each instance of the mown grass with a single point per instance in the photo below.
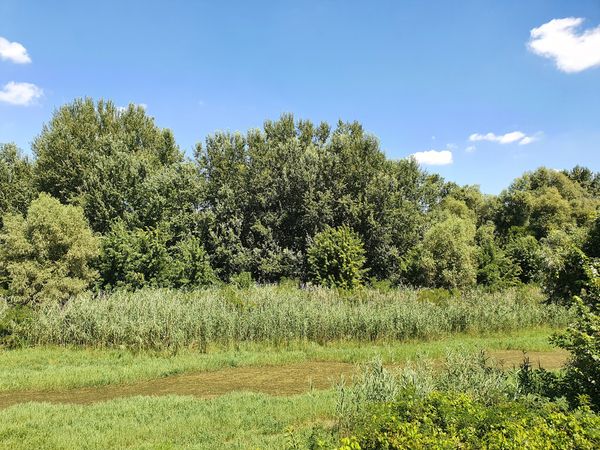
(55, 368)
(234, 421)
(166, 319)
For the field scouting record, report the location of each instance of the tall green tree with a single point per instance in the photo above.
(16, 188)
(98, 156)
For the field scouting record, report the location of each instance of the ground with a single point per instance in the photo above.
(246, 397)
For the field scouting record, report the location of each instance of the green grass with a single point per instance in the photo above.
(234, 421)
(55, 368)
(167, 319)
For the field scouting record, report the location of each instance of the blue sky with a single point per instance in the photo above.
(466, 79)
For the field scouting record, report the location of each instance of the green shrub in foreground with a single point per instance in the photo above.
(458, 420)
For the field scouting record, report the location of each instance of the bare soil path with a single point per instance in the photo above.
(274, 380)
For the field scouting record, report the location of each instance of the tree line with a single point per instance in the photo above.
(110, 201)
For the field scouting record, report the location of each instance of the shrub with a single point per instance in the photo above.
(458, 420)
(336, 258)
(582, 340)
(46, 256)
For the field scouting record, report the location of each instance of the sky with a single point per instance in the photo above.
(478, 91)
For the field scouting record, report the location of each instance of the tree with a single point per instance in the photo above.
(495, 268)
(525, 251)
(336, 258)
(16, 189)
(46, 256)
(99, 157)
(447, 256)
(151, 257)
(268, 191)
(592, 244)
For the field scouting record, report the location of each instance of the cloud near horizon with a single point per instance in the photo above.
(571, 49)
(13, 51)
(22, 94)
(508, 138)
(434, 157)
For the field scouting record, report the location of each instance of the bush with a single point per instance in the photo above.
(336, 258)
(582, 340)
(459, 420)
(46, 256)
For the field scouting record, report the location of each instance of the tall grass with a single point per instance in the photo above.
(167, 319)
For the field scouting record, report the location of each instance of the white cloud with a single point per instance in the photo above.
(508, 138)
(434, 157)
(20, 93)
(470, 149)
(13, 51)
(528, 140)
(571, 49)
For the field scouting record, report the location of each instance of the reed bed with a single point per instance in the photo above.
(169, 319)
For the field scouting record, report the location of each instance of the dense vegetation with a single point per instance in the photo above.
(305, 234)
(169, 319)
(293, 200)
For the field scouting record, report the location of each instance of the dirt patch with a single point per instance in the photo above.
(548, 360)
(274, 380)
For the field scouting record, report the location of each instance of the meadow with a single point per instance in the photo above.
(227, 367)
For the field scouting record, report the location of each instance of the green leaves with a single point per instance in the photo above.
(46, 256)
(336, 258)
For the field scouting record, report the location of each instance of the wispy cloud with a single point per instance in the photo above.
(571, 49)
(470, 149)
(20, 93)
(434, 157)
(508, 138)
(13, 51)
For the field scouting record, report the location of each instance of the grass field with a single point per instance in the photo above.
(128, 399)
(230, 368)
(52, 368)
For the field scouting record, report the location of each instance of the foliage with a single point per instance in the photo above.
(526, 253)
(446, 257)
(46, 256)
(140, 258)
(16, 190)
(166, 319)
(495, 268)
(582, 340)
(592, 244)
(102, 158)
(458, 420)
(569, 272)
(336, 258)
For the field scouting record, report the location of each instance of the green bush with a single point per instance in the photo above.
(582, 340)
(46, 256)
(458, 420)
(336, 258)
